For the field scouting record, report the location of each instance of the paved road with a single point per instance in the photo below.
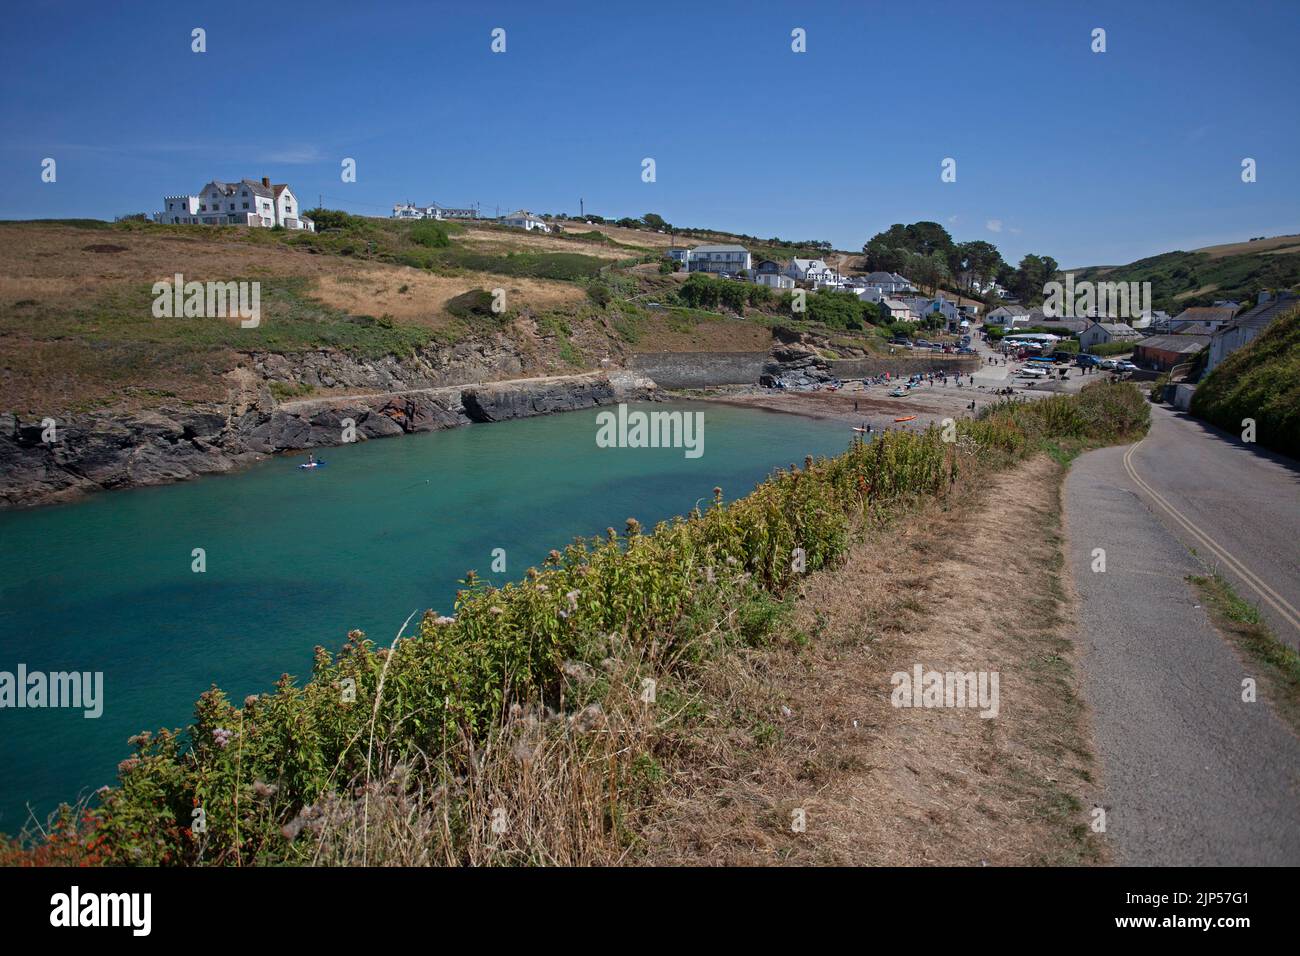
(1239, 507)
(1191, 774)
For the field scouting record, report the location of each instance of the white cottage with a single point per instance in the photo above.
(245, 203)
(523, 219)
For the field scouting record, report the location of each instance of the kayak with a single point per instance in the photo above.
(907, 419)
(311, 464)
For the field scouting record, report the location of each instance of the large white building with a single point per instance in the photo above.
(731, 259)
(407, 210)
(245, 203)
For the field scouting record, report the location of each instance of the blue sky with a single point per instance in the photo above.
(1090, 158)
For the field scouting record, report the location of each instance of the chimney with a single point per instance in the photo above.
(266, 181)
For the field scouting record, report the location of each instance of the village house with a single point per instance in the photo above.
(722, 258)
(810, 270)
(1163, 352)
(1008, 315)
(899, 311)
(1104, 333)
(678, 254)
(1065, 327)
(770, 274)
(523, 219)
(1247, 327)
(245, 203)
(890, 282)
(1211, 317)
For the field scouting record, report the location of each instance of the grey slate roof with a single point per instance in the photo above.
(1264, 313)
(1183, 344)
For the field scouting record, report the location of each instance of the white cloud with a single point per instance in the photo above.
(993, 225)
(292, 156)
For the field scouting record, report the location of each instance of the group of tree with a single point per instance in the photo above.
(1027, 280)
(926, 253)
(703, 291)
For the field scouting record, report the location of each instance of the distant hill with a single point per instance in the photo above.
(1233, 271)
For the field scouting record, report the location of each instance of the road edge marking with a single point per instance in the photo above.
(1275, 600)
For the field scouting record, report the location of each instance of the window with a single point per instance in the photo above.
(204, 207)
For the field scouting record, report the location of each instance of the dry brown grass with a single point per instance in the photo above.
(968, 585)
(631, 237)
(552, 788)
(53, 252)
(1274, 244)
(499, 240)
(377, 291)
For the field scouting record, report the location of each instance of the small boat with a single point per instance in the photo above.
(907, 419)
(311, 464)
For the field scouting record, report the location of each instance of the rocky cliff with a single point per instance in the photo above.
(51, 460)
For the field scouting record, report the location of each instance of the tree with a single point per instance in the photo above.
(888, 251)
(655, 221)
(972, 262)
(928, 270)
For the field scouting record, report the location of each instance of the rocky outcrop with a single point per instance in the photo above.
(795, 364)
(53, 460)
(435, 366)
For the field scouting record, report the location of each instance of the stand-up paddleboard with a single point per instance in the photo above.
(312, 464)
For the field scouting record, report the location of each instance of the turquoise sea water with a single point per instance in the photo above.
(298, 558)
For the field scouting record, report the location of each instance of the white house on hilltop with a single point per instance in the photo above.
(809, 270)
(407, 210)
(245, 203)
(523, 219)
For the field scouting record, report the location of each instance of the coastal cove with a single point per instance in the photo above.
(294, 559)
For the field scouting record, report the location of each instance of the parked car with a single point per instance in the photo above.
(965, 351)
(1108, 364)
(1087, 361)
(1126, 366)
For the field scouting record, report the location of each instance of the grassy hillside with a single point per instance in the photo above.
(1260, 381)
(77, 330)
(1236, 271)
